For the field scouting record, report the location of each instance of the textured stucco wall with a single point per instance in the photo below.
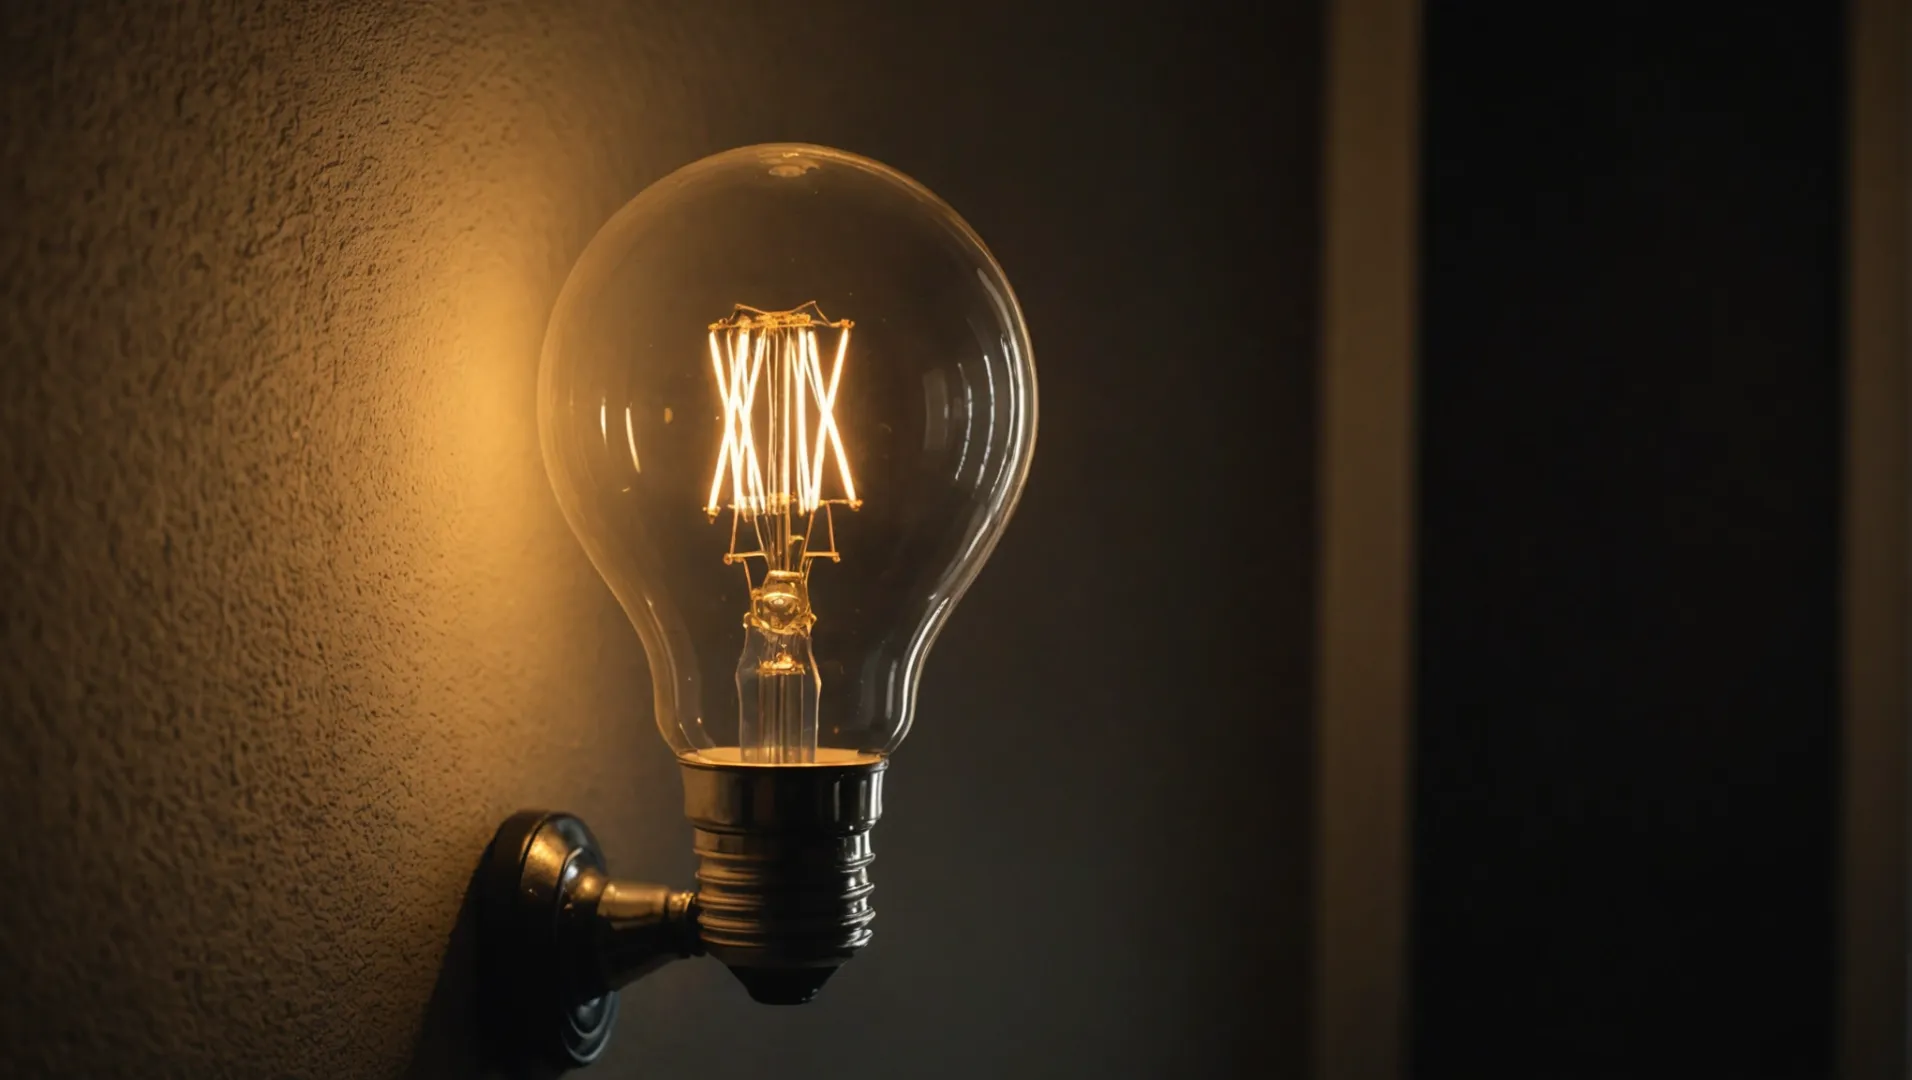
(291, 620)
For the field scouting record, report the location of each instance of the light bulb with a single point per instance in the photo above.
(787, 404)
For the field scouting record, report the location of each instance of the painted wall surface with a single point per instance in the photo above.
(291, 620)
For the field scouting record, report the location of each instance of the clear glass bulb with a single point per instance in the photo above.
(787, 404)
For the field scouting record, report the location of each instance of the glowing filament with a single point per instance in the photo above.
(773, 356)
(826, 424)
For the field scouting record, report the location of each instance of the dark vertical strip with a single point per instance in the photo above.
(1872, 945)
(1627, 732)
(1366, 515)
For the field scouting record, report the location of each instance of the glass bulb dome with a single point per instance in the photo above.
(787, 403)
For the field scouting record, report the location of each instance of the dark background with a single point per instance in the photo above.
(292, 621)
(1627, 716)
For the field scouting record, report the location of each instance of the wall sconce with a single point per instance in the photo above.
(787, 404)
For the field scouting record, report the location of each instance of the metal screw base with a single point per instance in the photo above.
(783, 869)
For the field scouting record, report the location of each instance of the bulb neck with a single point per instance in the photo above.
(783, 852)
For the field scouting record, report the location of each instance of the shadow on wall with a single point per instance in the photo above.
(457, 1037)
(450, 1040)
